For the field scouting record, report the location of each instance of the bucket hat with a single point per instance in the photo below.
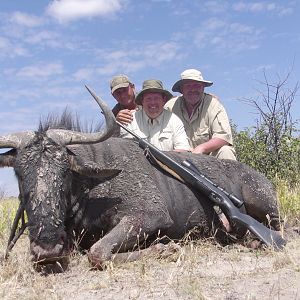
(190, 74)
(152, 85)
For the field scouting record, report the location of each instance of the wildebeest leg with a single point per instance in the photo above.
(126, 235)
(158, 250)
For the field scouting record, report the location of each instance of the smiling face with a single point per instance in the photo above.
(125, 96)
(192, 91)
(153, 104)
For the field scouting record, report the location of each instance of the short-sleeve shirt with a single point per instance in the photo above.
(209, 120)
(166, 132)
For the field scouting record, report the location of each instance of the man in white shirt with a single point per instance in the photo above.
(160, 127)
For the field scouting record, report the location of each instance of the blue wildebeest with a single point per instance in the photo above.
(103, 193)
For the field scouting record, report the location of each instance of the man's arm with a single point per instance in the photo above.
(180, 139)
(219, 127)
(210, 146)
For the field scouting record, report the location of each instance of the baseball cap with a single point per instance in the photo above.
(118, 82)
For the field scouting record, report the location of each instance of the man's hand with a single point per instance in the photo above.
(210, 146)
(125, 116)
(199, 150)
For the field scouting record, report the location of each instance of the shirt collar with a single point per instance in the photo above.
(196, 109)
(155, 121)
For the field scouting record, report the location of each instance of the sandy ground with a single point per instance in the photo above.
(199, 270)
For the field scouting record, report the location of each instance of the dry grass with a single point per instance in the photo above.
(289, 199)
(198, 270)
(8, 208)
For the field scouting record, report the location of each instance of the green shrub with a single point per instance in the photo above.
(275, 162)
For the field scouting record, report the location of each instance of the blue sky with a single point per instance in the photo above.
(50, 49)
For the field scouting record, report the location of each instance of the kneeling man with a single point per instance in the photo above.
(159, 126)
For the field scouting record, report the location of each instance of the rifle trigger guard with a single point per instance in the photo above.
(217, 200)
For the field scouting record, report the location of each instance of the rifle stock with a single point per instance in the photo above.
(194, 178)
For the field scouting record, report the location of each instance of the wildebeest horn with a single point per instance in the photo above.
(68, 137)
(15, 140)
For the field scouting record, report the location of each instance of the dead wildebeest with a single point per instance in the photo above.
(104, 194)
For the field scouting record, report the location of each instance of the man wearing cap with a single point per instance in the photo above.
(123, 90)
(159, 126)
(204, 117)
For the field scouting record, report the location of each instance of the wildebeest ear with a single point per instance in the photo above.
(90, 169)
(7, 159)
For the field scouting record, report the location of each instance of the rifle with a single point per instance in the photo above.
(228, 203)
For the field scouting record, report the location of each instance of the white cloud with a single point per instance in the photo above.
(83, 74)
(40, 71)
(161, 53)
(20, 32)
(11, 49)
(225, 37)
(4, 42)
(131, 58)
(214, 24)
(252, 7)
(45, 38)
(27, 20)
(239, 28)
(71, 10)
(285, 11)
(260, 7)
(215, 7)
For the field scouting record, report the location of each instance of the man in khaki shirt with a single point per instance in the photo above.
(204, 117)
(160, 127)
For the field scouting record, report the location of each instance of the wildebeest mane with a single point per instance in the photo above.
(67, 120)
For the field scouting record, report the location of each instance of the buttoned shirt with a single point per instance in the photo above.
(166, 132)
(208, 120)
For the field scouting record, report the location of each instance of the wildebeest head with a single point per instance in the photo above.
(43, 166)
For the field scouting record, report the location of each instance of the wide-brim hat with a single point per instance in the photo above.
(190, 74)
(154, 86)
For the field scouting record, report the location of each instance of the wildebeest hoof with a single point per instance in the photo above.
(254, 244)
(95, 261)
(167, 250)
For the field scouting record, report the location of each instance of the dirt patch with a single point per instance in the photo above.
(199, 270)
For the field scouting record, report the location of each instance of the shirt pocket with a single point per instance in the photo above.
(201, 135)
(165, 139)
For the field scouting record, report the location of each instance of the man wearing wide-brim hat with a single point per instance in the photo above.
(204, 117)
(159, 126)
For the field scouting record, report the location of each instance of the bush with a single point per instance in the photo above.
(252, 149)
(272, 146)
